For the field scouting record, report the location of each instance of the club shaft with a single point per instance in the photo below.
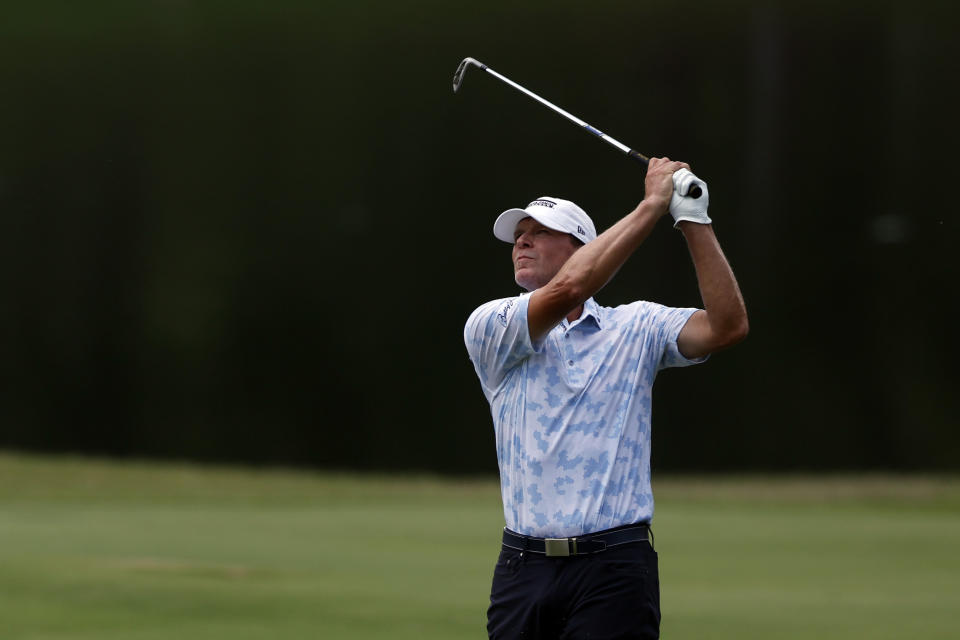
(694, 192)
(569, 116)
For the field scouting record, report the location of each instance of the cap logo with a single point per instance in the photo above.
(550, 204)
(581, 231)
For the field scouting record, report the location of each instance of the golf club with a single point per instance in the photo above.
(695, 191)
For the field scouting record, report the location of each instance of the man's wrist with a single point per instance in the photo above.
(657, 204)
(692, 227)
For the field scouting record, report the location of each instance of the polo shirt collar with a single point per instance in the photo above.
(590, 310)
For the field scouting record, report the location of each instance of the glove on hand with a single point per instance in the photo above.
(683, 207)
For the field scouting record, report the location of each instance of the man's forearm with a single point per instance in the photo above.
(722, 300)
(594, 264)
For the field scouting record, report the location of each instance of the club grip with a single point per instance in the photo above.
(694, 192)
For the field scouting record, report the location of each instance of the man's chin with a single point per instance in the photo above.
(526, 282)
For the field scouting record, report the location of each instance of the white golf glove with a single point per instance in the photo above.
(684, 207)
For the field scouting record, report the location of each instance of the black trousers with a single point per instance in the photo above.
(602, 596)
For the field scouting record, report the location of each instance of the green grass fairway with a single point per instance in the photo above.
(104, 550)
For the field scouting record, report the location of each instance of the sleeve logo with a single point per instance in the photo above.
(502, 316)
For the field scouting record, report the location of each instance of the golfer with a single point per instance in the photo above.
(569, 384)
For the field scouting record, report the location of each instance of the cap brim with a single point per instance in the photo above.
(506, 223)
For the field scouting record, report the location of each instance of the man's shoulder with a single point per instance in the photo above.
(501, 307)
(637, 307)
(497, 337)
(642, 313)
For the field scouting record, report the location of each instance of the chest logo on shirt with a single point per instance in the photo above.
(502, 316)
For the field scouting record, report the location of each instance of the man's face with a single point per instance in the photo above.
(539, 252)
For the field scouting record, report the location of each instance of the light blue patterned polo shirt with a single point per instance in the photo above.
(572, 412)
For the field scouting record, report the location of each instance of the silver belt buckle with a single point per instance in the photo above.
(559, 546)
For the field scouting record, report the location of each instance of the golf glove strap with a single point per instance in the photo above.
(684, 208)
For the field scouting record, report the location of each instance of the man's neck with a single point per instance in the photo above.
(576, 313)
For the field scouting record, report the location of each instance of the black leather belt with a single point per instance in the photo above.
(579, 546)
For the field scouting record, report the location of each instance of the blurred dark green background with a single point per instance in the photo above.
(253, 231)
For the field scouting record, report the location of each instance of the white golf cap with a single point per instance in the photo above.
(555, 213)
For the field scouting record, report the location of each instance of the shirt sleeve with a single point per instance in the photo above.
(498, 339)
(671, 321)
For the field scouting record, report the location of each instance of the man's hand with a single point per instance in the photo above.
(683, 207)
(659, 184)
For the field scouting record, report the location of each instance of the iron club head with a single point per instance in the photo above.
(462, 69)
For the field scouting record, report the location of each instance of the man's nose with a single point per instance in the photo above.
(523, 240)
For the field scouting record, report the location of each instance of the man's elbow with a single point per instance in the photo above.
(735, 333)
(728, 334)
